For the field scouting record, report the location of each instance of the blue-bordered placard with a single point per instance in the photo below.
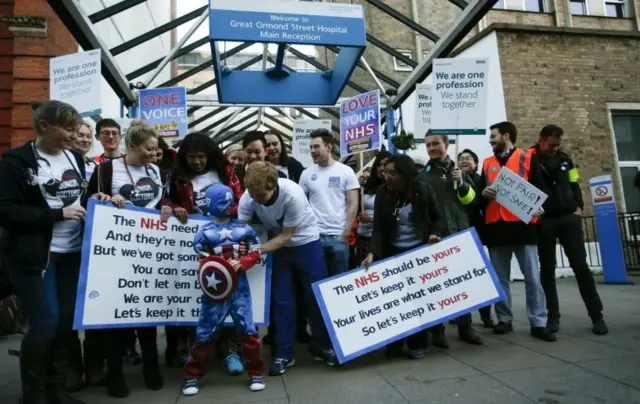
(381, 305)
(101, 251)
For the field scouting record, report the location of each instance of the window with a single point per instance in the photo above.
(536, 6)
(578, 7)
(500, 5)
(626, 131)
(190, 60)
(401, 66)
(614, 8)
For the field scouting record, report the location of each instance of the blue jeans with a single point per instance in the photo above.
(305, 262)
(527, 257)
(336, 254)
(49, 302)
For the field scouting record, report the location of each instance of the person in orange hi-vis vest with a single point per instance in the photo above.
(507, 235)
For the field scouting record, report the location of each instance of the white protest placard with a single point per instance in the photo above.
(300, 149)
(460, 96)
(396, 297)
(423, 110)
(75, 79)
(137, 271)
(517, 195)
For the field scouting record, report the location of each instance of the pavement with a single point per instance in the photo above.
(579, 368)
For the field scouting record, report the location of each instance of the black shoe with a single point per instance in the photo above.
(553, 324)
(543, 334)
(600, 327)
(117, 386)
(152, 377)
(502, 328)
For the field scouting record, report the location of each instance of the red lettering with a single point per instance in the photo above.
(367, 279)
(160, 100)
(153, 224)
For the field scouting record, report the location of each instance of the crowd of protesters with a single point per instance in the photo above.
(323, 218)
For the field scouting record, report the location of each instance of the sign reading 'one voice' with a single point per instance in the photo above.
(366, 310)
(517, 195)
(137, 271)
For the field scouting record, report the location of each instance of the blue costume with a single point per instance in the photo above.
(225, 292)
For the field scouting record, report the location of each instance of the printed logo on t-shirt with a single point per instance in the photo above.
(31, 177)
(201, 201)
(145, 191)
(67, 189)
(314, 177)
(334, 182)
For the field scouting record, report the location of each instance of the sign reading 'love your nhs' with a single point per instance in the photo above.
(290, 22)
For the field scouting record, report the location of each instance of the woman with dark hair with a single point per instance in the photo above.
(406, 216)
(199, 164)
(165, 159)
(277, 155)
(365, 219)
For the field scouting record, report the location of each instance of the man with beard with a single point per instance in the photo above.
(507, 235)
(442, 174)
(562, 221)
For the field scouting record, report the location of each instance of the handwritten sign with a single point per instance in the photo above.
(137, 271)
(365, 310)
(517, 195)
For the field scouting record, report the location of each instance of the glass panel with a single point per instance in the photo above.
(535, 6)
(499, 4)
(631, 193)
(614, 10)
(578, 7)
(626, 128)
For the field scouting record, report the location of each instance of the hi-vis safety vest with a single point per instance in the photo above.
(520, 163)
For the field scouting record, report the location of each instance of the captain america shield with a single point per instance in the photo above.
(218, 279)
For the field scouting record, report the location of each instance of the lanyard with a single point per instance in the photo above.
(83, 183)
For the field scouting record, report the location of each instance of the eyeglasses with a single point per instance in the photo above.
(110, 133)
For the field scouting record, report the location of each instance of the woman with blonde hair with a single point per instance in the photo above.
(135, 180)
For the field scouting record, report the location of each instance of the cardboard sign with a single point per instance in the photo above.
(517, 195)
(368, 309)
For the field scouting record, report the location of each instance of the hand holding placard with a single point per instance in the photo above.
(517, 195)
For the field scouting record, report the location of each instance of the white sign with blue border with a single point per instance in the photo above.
(290, 22)
(165, 109)
(367, 309)
(76, 79)
(139, 272)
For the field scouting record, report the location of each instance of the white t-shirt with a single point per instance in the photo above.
(327, 189)
(290, 209)
(145, 191)
(366, 229)
(200, 184)
(89, 168)
(61, 185)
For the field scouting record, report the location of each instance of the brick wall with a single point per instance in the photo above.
(30, 68)
(6, 77)
(567, 77)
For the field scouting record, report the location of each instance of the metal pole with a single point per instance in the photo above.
(375, 78)
(176, 48)
(265, 57)
(227, 122)
(416, 18)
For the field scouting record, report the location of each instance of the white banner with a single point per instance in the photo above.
(517, 195)
(460, 96)
(137, 271)
(75, 79)
(423, 110)
(300, 149)
(396, 297)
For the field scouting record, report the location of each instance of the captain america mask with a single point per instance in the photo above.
(219, 199)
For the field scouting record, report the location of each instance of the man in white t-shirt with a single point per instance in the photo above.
(282, 207)
(332, 189)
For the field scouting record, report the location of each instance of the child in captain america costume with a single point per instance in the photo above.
(226, 288)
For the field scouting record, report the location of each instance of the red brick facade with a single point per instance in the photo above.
(24, 68)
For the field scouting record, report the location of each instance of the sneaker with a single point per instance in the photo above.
(600, 327)
(543, 334)
(234, 365)
(280, 365)
(191, 387)
(256, 383)
(327, 356)
(553, 324)
(503, 328)
(417, 354)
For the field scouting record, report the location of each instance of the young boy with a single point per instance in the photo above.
(226, 288)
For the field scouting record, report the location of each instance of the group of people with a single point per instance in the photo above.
(309, 213)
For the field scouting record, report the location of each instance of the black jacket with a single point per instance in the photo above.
(295, 169)
(559, 175)
(504, 233)
(426, 217)
(476, 213)
(24, 212)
